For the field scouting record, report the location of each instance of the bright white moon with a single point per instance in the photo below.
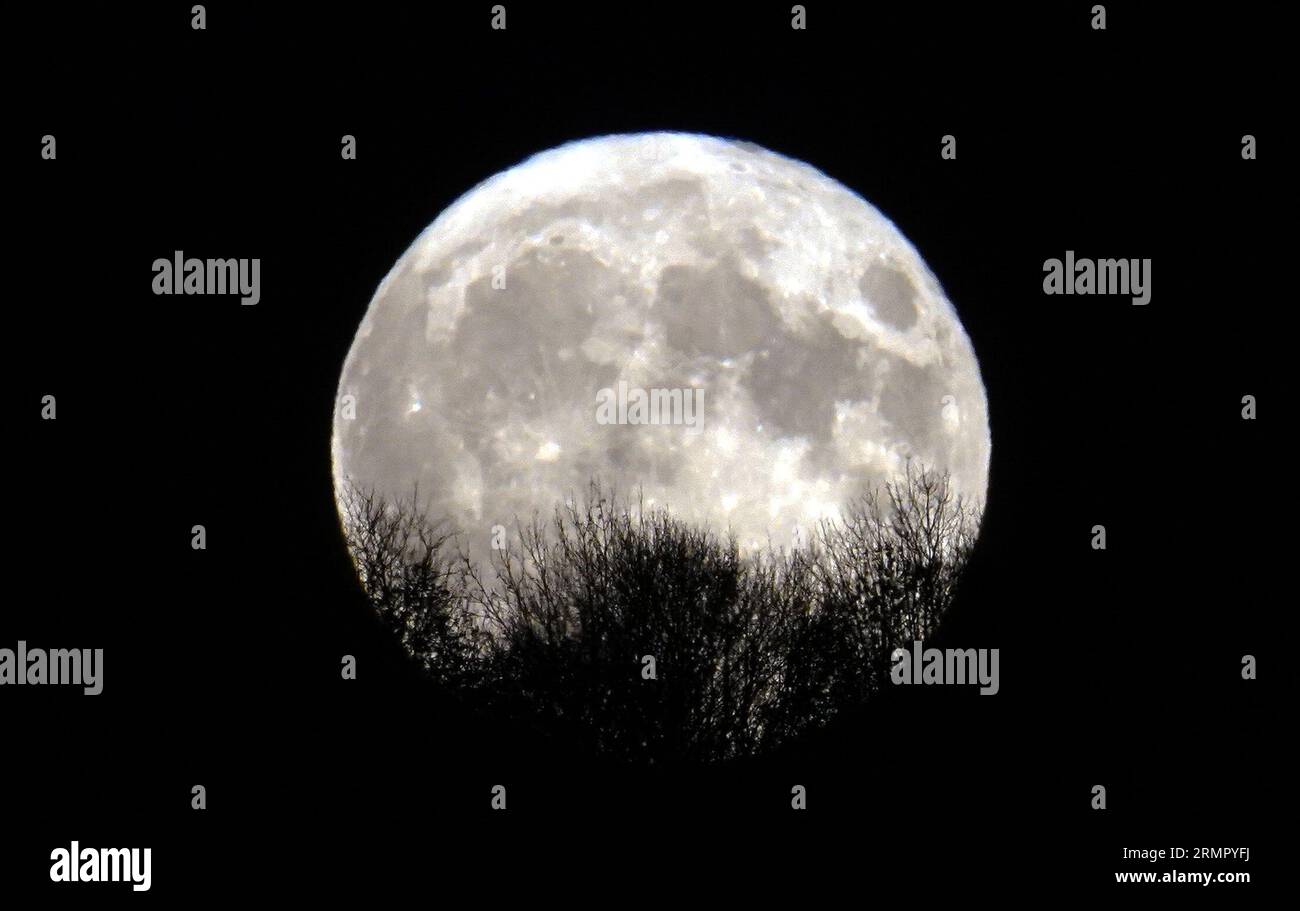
(825, 349)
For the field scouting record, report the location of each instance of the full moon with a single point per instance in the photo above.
(698, 324)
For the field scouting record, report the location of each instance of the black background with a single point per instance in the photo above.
(1119, 667)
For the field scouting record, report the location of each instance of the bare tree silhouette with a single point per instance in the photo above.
(400, 559)
(750, 651)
